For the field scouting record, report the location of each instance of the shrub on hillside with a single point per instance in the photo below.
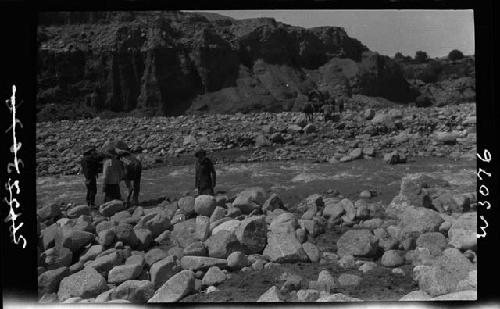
(421, 56)
(455, 55)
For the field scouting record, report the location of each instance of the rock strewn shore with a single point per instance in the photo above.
(363, 133)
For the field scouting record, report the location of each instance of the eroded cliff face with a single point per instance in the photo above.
(169, 63)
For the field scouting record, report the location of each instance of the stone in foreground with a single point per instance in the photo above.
(175, 288)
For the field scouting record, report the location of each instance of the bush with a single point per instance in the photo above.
(455, 55)
(421, 56)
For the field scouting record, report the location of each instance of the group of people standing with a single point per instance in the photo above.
(118, 164)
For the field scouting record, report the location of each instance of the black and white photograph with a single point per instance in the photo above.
(292, 155)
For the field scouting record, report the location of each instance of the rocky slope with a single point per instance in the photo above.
(326, 248)
(169, 63)
(441, 80)
(360, 133)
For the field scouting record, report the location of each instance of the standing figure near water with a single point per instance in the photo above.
(91, 166)
(205, 175)
(132, 169)
(113, 174)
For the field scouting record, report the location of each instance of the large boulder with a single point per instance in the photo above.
(48, 281)
(56, 257)
(435, 242)
(50, 235)
(272, 295)
(126, 234)
(77, 211)
(75, 240)
(204, 205)
(144, 238)
(333, 209)
(49, 211)
(284, 223)
(392, 258)
(155, 222)
(357, 243)
(230, 226)
(202, 227)
(110, 208)
(314, 201)
(272, 203)
(250, 199)
(162, 270)
(186, 205)
(222, 244)
(91, 253)
(184, 233)
(106, 262)
(237, 260)
(445, 137)
(415, 221)
(154, 255)
(251, 233)
(445, 274)
(175, 288)
(134, 291)
(415, 191)
(284, 248)
(213, 276)
(122, 273)
(195, 263)
(462, 234)
(86, 283)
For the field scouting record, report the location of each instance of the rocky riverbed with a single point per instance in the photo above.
(304, 212)
(448, 131)
(320, 239)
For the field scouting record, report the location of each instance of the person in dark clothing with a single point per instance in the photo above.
(91, 166)
(205, 174)
(340, 104)
(308, 110)
(132, 168)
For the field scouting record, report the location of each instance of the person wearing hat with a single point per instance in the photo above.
(205, 175)
(132, 168)
(91, 164)
(112, 174)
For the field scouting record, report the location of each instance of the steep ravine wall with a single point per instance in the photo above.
(166, 63)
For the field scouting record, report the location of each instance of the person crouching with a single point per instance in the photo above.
(205, 173)
(112, 173)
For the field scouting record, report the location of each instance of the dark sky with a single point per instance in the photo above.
(386, 31)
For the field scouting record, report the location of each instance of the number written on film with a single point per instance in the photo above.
(484, 191)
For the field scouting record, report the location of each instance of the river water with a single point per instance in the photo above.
(292, 180)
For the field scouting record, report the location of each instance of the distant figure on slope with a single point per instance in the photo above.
(132, 169)
(205, 176)
(328, 110)
(309, 111)
(113, 174)
(341, 104)
(91, 166)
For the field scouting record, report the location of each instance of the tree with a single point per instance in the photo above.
(399, 55)
(421, 56)
(455, 55)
